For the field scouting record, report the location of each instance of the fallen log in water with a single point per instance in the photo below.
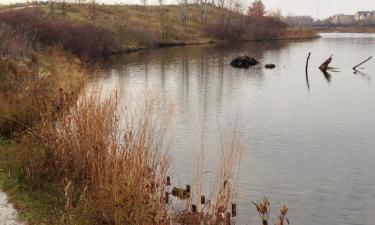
(363, 62)
(324, 66)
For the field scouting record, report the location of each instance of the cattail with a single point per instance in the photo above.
(166, 197)
(194, 208)
(168, 180)
(203, 199)
(234, 210)
(228, 218)
(188, 188)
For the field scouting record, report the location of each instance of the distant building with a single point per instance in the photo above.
(360, 18)
(367, 17)
(342, 20)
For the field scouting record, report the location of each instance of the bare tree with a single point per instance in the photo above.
(144, 2)
(276, 13)
(162, 21)
(63, 5)
(222, 7)
(203, 10)
(184, 11)
(52, 2)
(93, 9)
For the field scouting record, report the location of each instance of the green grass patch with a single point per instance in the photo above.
(35, 205)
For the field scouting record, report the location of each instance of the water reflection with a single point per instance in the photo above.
(363, 75)
(327, 76)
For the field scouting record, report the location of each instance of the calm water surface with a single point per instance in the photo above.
(307, 143)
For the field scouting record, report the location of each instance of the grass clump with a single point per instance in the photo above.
(106, 175)
(33, 90)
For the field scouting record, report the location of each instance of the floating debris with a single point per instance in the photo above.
(270, 66)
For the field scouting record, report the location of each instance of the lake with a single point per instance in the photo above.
(308, 143)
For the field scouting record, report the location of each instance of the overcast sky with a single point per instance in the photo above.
(315, 8)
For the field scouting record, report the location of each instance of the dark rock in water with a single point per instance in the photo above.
(243, 62)
(269, 66)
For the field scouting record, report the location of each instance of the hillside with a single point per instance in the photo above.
(132, 27)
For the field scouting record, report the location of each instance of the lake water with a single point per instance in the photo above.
(307, 143)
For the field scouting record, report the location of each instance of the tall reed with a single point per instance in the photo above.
(218, 206)
(111, 175)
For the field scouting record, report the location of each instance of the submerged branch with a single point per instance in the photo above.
(363, 62)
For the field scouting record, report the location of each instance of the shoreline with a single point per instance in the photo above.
(211, 42)
(342, 29)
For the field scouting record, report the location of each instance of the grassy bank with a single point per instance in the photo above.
(36, 87)
(90, 31)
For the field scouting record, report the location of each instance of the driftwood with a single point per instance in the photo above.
(324, 66)
(363, 62)
(307, 63)
(307, 70)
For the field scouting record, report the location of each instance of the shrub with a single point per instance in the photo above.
(141, 35)
(231, 32)
(254, 29)
(15, 42)
(84, 40)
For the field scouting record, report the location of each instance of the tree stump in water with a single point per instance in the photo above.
(324, 66)
(243, 62)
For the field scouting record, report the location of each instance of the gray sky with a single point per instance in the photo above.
(315, 8)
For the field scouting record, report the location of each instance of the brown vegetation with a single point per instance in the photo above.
(84, 40)
(95, 30)
(106, 165)
(15, 42)
(109, 175)
(31, 92)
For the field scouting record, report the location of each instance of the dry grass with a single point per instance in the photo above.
(264, 210)
(219, 205)
(15, 42)
(32, 89)
(109, 175)
(298, 33)
(115, 174)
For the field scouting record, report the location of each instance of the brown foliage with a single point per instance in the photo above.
(265, 28)
(31, 90)
(84, 40)
(257, 9)
(15, 42)
(110, 175)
